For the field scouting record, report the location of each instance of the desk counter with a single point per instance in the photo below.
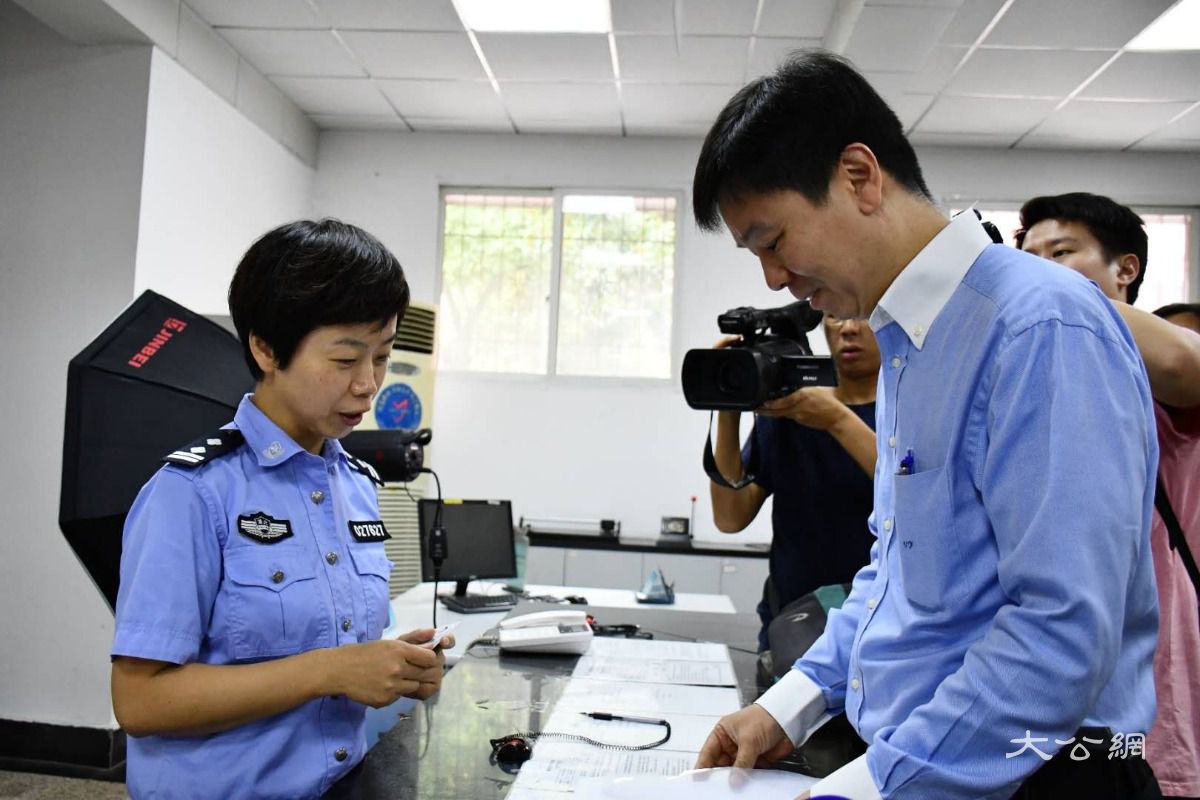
(440, 751)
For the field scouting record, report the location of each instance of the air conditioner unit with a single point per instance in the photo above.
(406, 401)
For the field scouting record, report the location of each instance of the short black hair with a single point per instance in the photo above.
(1172, 309)
(787, 130)
(308, 274)
(1117, 228)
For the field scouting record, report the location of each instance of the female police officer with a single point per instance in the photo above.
(252, 596)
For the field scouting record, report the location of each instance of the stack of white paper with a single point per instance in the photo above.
(689, 684)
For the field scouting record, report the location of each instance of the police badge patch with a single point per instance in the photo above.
(264, 528)
(369, 531)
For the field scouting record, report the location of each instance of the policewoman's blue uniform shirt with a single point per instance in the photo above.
(1011, 586)
(259, 553)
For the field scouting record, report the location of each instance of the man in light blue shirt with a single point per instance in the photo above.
(1000, 642)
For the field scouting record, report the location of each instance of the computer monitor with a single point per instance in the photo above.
(479, 540)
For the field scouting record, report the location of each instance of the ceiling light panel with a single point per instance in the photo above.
(536, 16)
(397, 15)
(1177, 29)
(1074, 23)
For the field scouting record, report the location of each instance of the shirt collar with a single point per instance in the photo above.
(270, 444)
(923, 287)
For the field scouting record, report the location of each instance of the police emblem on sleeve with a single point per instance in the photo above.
(368, 531)
(264, 528)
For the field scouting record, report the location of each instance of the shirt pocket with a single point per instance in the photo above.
(373, 568)
(926, 540)
(275, 606)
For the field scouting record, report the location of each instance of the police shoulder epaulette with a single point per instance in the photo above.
(206, 448)
(363, 468)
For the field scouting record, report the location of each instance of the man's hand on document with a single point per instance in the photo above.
(747, 738)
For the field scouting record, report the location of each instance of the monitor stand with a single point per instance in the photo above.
(460, 587)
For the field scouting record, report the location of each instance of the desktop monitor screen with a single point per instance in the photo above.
(479, 539)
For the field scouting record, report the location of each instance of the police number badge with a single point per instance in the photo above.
(369, 531)
(264, 528)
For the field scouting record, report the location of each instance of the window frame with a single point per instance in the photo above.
(551, 356)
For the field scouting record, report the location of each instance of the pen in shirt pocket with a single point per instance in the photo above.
(907, 464)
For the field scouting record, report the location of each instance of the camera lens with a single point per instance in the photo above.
(736, 376)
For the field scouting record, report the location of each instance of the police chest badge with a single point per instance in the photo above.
(369, 531)
(264, 528)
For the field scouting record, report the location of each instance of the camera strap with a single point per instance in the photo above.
(749, 471)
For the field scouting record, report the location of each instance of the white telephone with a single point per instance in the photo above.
(547, 632)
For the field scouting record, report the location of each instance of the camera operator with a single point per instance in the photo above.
(816, 450)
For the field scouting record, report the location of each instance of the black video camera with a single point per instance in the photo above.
(396, 454)
(761, 367)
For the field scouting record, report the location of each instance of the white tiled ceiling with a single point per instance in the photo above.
(1001, 73)
(423, 54)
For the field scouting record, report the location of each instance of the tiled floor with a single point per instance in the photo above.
(31, 786)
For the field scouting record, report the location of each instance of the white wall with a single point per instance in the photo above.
(559, 447)
(71, 134)
(119, 171)
(212, 183)
(630, 450)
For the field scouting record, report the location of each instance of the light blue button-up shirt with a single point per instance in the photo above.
(247, 557)
(1011, 587)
